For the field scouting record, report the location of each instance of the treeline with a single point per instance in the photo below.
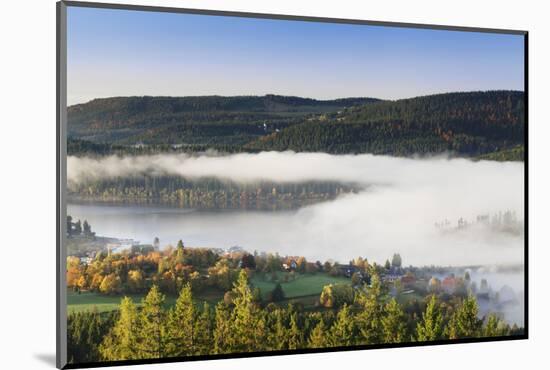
(210, 120)
(516, 153)
(243, 325)
(209, 192)
(81, 148)
(78, 228)
(135, 270)
(469, 124)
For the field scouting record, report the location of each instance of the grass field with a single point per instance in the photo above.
(87, 301)
(303, 285)
(306, 286)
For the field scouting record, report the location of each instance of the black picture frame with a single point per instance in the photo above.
(61, 174)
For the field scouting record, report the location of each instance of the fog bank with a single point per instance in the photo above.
(396, 211)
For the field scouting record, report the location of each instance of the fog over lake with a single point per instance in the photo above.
(395, 213)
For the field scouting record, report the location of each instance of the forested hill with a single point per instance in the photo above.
(488, 125)
(201, 120)
(468, 124)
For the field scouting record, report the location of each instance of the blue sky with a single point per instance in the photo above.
(128, 53)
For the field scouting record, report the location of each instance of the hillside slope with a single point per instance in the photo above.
(205, 120)
(468, 124)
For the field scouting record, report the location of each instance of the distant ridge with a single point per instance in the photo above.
(464, 123)
(216, 120)
(467, 124)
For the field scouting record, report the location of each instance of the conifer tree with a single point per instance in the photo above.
(277, 338)
(78, 227)
(181, 321)
(464, 322)
(243, 317)
(180, 252)
(495, 327)
(431, 326)
(259, 331)
(204, 329)
(295, 338)
(120, 343)
(318, 337)
(342, 331)
(369, 319)
(393, 323)
(222, 328)
(86, 229)
(152, 335)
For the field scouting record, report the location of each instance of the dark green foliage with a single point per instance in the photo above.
(77, 227)
(84, 147)
(277, 294)
(464, 323)
(430, 327)
(248, 261)
(514, 154)
(487, 124)
(85, 330)
(212, 120)
(467, 124)
(209, 192)
(396, 261)
(185, 330)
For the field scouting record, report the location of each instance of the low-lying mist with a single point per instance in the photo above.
(396, 211)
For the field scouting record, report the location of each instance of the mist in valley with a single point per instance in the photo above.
(396, 211)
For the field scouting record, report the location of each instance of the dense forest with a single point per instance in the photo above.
(468, 124)
(471, 124)
(243, 323)
(207, 120)
(209, 192)
(368, 309)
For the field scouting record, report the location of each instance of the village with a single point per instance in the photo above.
(276, 279)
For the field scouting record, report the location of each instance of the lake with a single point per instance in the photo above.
(197, 228)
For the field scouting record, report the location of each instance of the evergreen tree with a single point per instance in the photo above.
(431, 325)
(369, 320)
(180, 252)
(121, 342)
(495, 327)
(204, 328)
(318, 337)
(244, 318)
(77, 230)
(396, 261)
(295, 337)
(181, 321)
(277, 294)
(222, 329)
(69, 225)
(87, 230)
(152, 337)
(259, 331)
(464, 322)
(342, 331)
(394, 323)
(95, 331)
(277, 337)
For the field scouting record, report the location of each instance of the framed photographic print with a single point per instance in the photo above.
(235, 184)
